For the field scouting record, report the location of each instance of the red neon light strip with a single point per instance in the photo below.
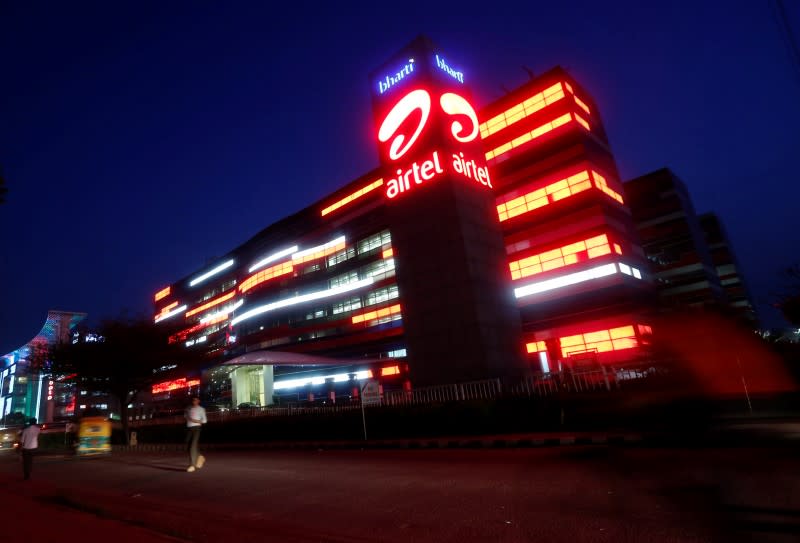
(212, 303)
(377, 314)
(560, 257)
(350, 197)
(163, 293)
(564, 188)
(183, 334)
(168, 386)
(523, 109)
(265, 275)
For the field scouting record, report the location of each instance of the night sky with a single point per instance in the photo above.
(139, 140)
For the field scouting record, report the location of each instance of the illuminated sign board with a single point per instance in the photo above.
(409, 118)
(395, 76)
(177, 384)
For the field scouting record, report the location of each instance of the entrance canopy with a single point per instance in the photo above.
(282, 358)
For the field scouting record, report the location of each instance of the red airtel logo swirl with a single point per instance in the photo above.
(420, 100)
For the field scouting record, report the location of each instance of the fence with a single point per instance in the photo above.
(537, 386)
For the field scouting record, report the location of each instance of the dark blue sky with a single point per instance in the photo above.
(140, 139)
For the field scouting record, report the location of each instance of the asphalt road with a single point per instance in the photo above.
(570, 494)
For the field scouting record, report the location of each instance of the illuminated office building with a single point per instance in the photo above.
(489, 242)
(26, 389)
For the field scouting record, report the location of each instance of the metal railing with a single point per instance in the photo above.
(536, 386)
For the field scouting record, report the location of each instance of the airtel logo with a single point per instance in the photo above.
(452, 104)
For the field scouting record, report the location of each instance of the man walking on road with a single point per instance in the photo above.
(29, 442)
(195, 418)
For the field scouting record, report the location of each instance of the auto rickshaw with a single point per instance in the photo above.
(94, 436)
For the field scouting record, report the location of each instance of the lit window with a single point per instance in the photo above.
(382, 295)
(523, 109)
(514, 204)
(391, 370)
(600, 341)
(378, 316)
(532, 135)
(344, 279)
(341, 256)
(563, 256)
(374, 242)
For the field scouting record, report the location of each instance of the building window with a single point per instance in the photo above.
(341, 256)
(310, 269)
(317, 314)
(379, 270)
(373, 242)
(382, 295)
(343, 279)
(348, 305)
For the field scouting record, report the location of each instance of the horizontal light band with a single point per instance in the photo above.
(212, 303)
(560, 257)
(161, 317)
(337, 378)
(350, 197)
(377, 314)
(529, 136)
(183, 334)
(273, 258)
(163, 293)
(284, 268)
(221, 267)
(565, 280)
(166, 309)
(319, 251)
(221, 314)
(302, 298)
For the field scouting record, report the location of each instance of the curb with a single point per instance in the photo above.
(423, 443)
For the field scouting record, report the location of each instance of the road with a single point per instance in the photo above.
(570, 494)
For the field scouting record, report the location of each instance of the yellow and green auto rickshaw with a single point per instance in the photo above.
(94, 436)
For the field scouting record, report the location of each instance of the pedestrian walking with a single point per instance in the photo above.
(195, 419)
(29, 442)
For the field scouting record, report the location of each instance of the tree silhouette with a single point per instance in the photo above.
(120, 362)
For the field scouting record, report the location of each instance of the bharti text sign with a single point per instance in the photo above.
(393, 79)
(399, 131)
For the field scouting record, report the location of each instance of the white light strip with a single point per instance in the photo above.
(222, 312)
(172, 313)
(302, 298)
(223, 266)
(566, 280)
(273, 258)
(305, 252)
(337, 378)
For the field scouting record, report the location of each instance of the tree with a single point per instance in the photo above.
(119, 361)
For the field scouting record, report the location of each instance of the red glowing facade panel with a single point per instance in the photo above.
(514, 203)
(561, 257)
(596, 341)
(163, 293)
